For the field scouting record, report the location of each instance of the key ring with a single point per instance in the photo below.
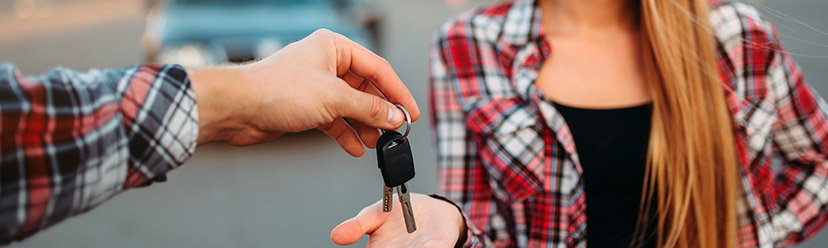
(407, 120)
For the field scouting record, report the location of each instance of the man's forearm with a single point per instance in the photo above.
(71, 141)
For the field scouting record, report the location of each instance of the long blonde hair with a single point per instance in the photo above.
(692, 163)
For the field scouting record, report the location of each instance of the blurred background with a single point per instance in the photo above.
(293, 191)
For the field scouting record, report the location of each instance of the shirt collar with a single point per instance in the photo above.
(522, 23)
(523, 32)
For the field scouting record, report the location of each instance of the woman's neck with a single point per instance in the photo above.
(587, 17)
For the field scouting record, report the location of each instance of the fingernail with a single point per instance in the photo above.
(395, 115)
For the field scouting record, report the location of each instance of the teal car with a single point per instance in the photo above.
(207, 32)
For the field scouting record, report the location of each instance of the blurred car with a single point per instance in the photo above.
(208, 32)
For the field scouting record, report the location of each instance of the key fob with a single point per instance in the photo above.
(394, 159)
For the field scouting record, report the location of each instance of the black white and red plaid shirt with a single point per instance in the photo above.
(507, 157)
(69, 141)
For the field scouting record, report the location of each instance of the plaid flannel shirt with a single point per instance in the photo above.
(507, 157)
(69, 141)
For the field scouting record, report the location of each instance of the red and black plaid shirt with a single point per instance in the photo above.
(69, 141)
(507, 157)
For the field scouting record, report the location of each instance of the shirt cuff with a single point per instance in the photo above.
(161, 118)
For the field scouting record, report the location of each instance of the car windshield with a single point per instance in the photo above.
(273, 2)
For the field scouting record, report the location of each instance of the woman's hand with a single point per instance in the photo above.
(310, 84)
(439, 224)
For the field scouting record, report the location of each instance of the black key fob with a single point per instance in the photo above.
(394, 159)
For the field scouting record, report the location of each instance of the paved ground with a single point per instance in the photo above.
(291, 192)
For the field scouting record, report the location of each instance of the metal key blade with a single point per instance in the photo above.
(408, 214)
(387, 202)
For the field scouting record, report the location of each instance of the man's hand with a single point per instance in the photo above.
(309, 84)
(438, 225)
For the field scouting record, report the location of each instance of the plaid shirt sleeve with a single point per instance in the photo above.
(801, 134)
(69, 141)
(455, 151)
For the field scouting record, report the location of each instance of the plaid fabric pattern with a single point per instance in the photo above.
(507, 157)
(69, 141)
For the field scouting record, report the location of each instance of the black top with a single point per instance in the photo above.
(612, 148)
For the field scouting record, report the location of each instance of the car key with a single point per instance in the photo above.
(397, 167)
(387, 194)
(408, 213)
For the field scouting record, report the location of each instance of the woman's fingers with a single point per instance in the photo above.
(439, 224)
(366, 222)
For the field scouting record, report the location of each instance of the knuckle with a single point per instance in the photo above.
(385, 63)
(322, 32)
(382, 68)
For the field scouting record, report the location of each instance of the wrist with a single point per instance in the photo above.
(459, 219)
(220, 101)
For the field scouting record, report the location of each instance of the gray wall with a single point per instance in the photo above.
(293, 191)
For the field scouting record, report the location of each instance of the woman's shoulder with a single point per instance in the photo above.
(747, 45)
(736, 23)
(746, 9)
(481, 23)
